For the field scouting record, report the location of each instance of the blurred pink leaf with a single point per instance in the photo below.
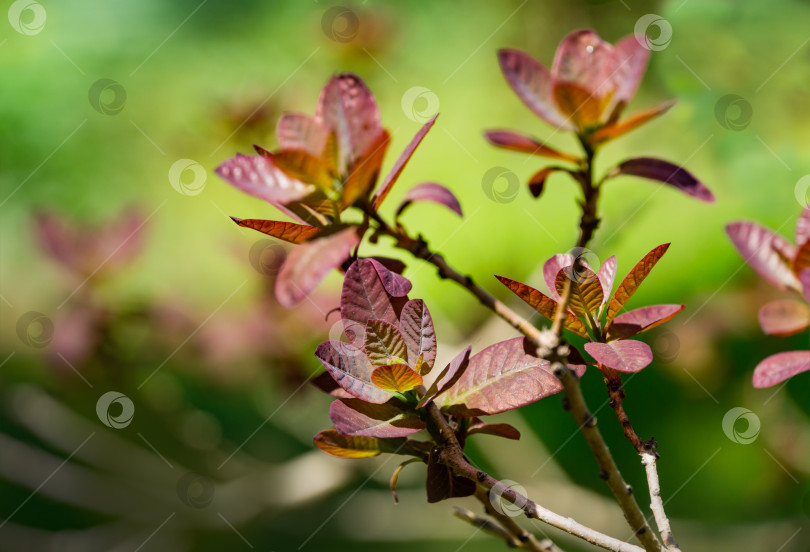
(784, 317)
(668, 173)
(803, 227)
(607, 276)
(297, 131)
(258, 176)
(552, 267)
(632, 60)
(419, 334)
(777, 368)
(757, 246)
(358, 418)
(430, 191)
(624, 356)
(507, 139)
(804, 277)
(533, 84)
(640, 320)
(350, 368)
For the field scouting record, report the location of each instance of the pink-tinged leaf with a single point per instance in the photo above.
(666, 172)
(396, 285)
(449, 376)
(358, 418)
(384, 344)
(394, 265)
(758, 245)
(259, 177)
(640, 320)
(804, 278)
(607, 276)
(802, 259)
(442, 483)
(777, 368)
(632, 60)
(345, 446)
(433, 192)
(784, 317)
(543, 305)
(418, 333)
(403, 159)
(803, 227)
(328, 385)
(624, 356)
(619, 128)
(532, 83)
(587, 61)
(507, 139)
(307, 265)
(302, 166)
(396, 378)
(499, 430)
(348, 108)
(287, 231)
(297, 131)
(537, 182)
(350, 368)
(501, 377)
(586, 296)
(552, 267)
(364, 298)
(633, 280)
(364, 172)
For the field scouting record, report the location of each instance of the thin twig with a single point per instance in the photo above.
(650, 461)
(486, 525)
(521, 538)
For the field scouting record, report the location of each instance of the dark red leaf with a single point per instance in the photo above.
(433, 192)
(633, 280)
(538, 180)
(394, 283)
(358, 418)
(364, 298)
(287, 231)
(543, 305)
(666, 172)
(328, 385)
(804, 277)
(607, 276)
(758, 247)
(624, 356)
(350, 368)
(442, 484)
(640, 320)
(777, 368)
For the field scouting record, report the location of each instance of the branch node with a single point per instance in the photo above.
(604, 475)
(629, 489)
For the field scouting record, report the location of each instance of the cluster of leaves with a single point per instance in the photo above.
(586, 91)
(326, 164)
(594, 314)
(383, 378)
(786, 266)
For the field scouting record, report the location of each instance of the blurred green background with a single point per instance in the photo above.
(218, 455)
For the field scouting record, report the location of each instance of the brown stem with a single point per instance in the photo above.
(616, 393)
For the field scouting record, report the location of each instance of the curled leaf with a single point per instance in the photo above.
(538, 180)
(666, 172)
(332, 442)
(777, 368)
(499, 430)
(624, 356)
(395, 478)
(607, 276)
(433, 192)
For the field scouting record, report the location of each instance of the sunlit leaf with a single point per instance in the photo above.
(384, 344)
(396, 378)
(418, 333)
(586, 291)
(432, 192)
(624, 356)
(777, 368)
(332, 442)
(758, 245)
(532, 83)
(395, 478)
(611, 131)
(287, 231)
(784, 317)
(448, 377)
(509, 140)
(499, 430)
(630, 284)
(359, 418)
(259, 177)
(640, 320)
(442, 483)
(543, 305)
(364, 298)
(350, 368)
(364, 172)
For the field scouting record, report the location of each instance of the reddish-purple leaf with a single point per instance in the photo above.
(433, 192)
(394, 265)
(607, 276)
(632, 60)
(448, 377)
(804, 277)
(777, 368)
(442, 483)
(396, 378)
(287, 231)
(350, 368)
(384, 344)
(297, 131)
(501, 377)
(507, 139)
(259, 177)
(358, 418)
(364, 298)
(418, 333)
(758, 246)
(624, 356)
(328, 385)
(640, 320)
(307, 265)
(543, 305)
(584, 59)
(666, 172)
(364, 172)
(532, 83)
(403, 159)
(500, 430)
(345, 446)
(784, 317)
(552, 267)
(802, 258)
(633, 280)
(394, 283)
(302, 166)
(803, 227)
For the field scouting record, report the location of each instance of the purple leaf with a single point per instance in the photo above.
(358, 418)
(351, 370)
(395, 284)
(640, 320)
(552, 267)
(403, 159)
(307, 265)
(607, 276)
(364, 298)
(297, 131)
(666, 172)
(632, 58)
(430, 191)
(518, 142)
(803, 227)
(501, 377)
(532, 83)
(384, 344)
(258, 176)
(449, 376)
(587, 61)
(804, 277)
(757, 246)
(500, 430)
(784, 317)
(624, 356)
(779, 367)
(419, 334)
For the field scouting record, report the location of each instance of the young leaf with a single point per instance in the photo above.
(358, 418)
(624, 356)
(396, 378)
(579, 104)
(259, 177)
(449, 376)
(332, 442)
(499, 430)
(609, 132)
(394, 283)
(328, 385)
(784, 317)
(509, 140)
(296, 131)
(586, 290)
(640, 320)
(364, 298)
(666, 172)
(802, 258)
(803, 227)
(538, 180)
(758, 245)
(630, 284)
(418, 333)
(392, 177)
(777, 368)
(302, 166)
(543, 305)
(501, 377)
(552, 267)
(384, 344)
(350, 368)
(442, 483)
(433, 192)
(307, 265)
(287, 231)
(607, 276)
(364, 172)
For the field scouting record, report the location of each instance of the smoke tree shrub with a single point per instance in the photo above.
(389, 395)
